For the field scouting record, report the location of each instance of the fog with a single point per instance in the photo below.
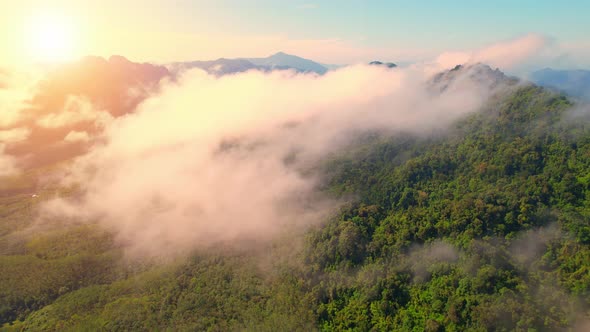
(225, 160)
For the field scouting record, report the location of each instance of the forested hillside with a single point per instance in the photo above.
(483, 226)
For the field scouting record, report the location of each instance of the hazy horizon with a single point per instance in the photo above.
(329, 32)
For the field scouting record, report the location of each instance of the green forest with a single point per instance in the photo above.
(484, 226)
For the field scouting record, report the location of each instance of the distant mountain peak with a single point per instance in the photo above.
(478, 73)
(285, 56)
(386, 64)
(476, 69)
(277, 61)
(282, 60)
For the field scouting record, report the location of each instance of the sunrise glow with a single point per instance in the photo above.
(50, 37)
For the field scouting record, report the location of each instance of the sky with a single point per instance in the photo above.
(328, 31)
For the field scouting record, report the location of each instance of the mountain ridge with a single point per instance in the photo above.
(277, 61)
(484, 227)
(575, 82)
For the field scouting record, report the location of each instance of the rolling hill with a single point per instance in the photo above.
(480, 227)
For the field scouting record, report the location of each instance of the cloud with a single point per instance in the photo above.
(531, 244)
(423, 258)
(505, 55)
(77, 136)
(16, 89)
(231, 159)
(14, 135)
(558, 54)
(570, 55)
(511, 53)
(75, 111)
(450, 59)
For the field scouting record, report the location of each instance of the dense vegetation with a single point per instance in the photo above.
(483, 227)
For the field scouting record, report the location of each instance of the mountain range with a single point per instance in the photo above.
(573, 82)
(278, 61)
(386, 64)
(117, 85)
(481, 228)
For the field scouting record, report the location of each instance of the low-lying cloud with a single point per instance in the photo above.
(227, 159)
(506, 55)
(76, 110)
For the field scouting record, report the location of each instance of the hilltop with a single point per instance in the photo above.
(483, 226)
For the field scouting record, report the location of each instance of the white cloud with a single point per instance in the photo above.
(16, 89)
(14, 135)
(76, 136)
(76, 110)
(505, 55)
(227, 159)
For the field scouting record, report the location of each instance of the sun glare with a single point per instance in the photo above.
(50, 38)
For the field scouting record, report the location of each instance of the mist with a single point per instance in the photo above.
(225, 160)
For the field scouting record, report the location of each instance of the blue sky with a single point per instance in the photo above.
(421, 28)
(415, 23)
(327, 30)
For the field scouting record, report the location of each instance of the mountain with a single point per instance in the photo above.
(282, 60)
(386, 64)
(278, 61)
(484, 227)
(478, 74)
(573, 82)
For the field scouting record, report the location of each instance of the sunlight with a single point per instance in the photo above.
(50, 38)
